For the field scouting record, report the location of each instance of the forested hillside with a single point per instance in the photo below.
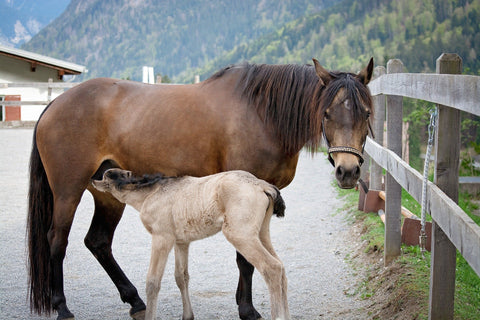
(346, 35)
(183, 38)
(117, 38)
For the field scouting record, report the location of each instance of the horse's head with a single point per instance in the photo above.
(346, 106)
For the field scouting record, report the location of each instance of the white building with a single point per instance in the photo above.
(20, 66)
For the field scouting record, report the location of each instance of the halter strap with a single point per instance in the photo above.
(345, 150)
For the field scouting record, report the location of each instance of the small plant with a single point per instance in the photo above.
(467, 157)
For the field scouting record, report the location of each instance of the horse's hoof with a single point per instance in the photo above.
(248, 312)
(139, 315)
(66, 316)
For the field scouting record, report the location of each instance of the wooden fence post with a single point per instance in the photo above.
(376, 171)
(393, 190)
(365, 172)
(447, 157)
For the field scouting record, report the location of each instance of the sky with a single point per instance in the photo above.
(20, 20)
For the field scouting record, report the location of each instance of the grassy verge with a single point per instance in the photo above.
(404, 286)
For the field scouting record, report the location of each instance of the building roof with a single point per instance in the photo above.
(35, 59)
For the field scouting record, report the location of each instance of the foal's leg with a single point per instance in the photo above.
(243, 296)
(182, 277)
(108, 212)
(267, 243)
(161, 246)
(269, 267)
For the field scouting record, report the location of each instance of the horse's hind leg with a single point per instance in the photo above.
(246, 310)
(63, 213)
(108, 212)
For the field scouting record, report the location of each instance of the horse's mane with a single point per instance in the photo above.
(289, 99)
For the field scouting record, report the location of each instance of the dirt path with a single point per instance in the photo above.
(311, 240)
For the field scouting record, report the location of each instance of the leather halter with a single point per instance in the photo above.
(345, 149)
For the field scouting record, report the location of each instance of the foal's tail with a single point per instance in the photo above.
(40, 211)
(278, 203)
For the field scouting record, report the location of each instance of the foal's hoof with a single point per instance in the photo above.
(139, 315)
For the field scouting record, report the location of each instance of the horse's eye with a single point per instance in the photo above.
(326, 116)
(368, 114)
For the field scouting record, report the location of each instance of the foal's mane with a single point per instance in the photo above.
(289, 99)
(145, 181)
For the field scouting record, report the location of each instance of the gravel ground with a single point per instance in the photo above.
(312, 241)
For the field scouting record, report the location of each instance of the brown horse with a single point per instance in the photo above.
(255, 118)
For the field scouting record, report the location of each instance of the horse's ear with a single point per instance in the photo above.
(322, 73)
(366, 74)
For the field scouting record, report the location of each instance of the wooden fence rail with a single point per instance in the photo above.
(457, 91)
(452, 228)
(459, 227)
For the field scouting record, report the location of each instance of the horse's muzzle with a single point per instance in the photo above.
(347, 177)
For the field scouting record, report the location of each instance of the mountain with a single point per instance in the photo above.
(346, 35)
(116, 38)
(20, 20)
(181, 38)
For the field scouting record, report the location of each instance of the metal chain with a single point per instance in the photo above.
(431, 136)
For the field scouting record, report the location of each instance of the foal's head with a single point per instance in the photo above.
(118, 182)
(346, 106)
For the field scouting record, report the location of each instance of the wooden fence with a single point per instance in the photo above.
(452, 228)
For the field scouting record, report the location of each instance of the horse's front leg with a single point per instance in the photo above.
(246, 310)
(182, 277)
(108, 213)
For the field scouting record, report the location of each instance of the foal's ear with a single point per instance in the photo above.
(322, 73)
(366, 74)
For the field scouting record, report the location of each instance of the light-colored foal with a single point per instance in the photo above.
(177, 211)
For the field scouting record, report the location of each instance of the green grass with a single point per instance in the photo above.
(415, 278)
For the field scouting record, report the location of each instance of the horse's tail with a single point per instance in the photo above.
(40, 211)
(278, 203)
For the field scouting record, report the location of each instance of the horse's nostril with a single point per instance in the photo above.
(340, 173)
(356, 172)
